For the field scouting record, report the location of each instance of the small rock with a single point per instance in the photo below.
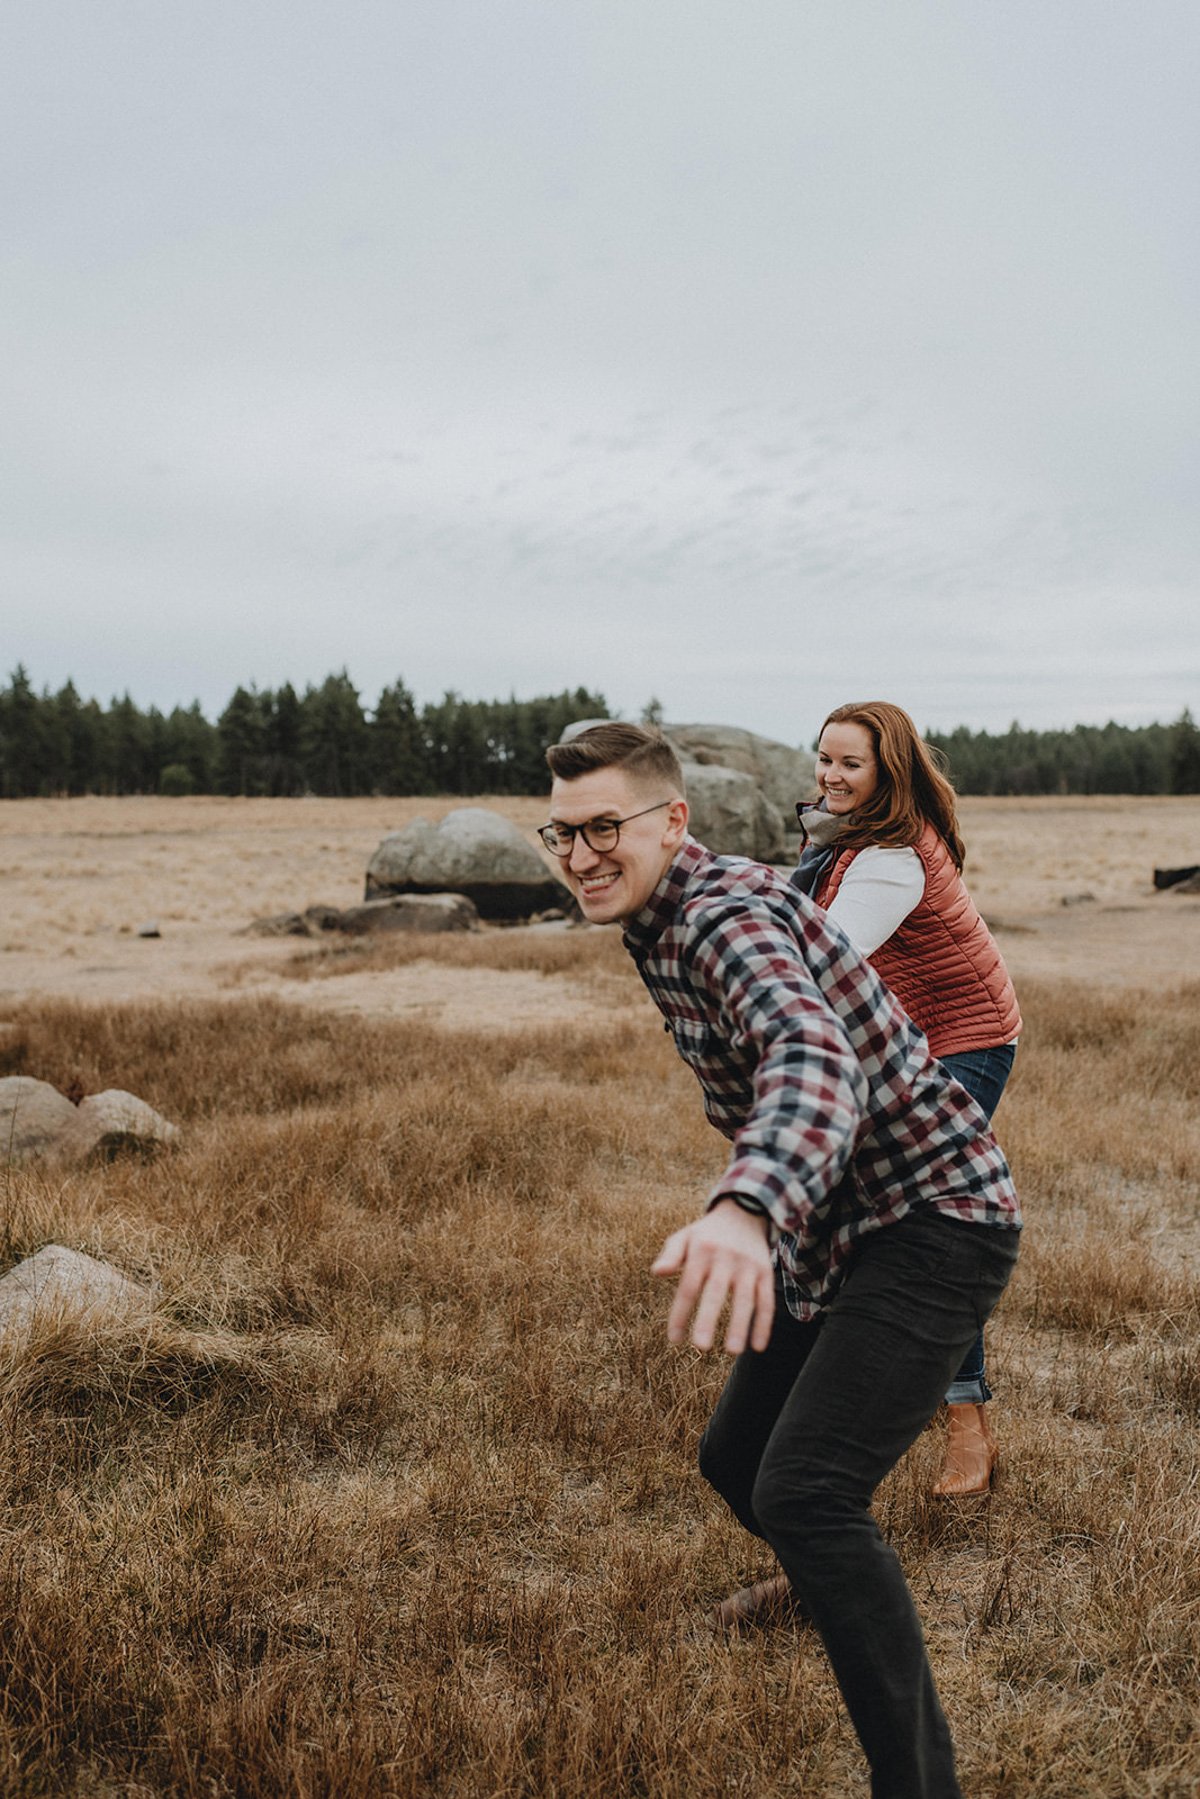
(59, 1282)
(149, 929)
(1165, 878)
(37, 1120)
(117, 1121)
(1077, 899)
(430, 912)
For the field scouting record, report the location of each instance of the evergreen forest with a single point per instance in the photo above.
(281, 743)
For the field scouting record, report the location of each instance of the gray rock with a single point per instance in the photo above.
(149, 929)
(401, 912)
(37, 1120)
(58, 1282)
(472, 851)
(117, 1121)
(730, 813)
(431, 912)
(784, 774)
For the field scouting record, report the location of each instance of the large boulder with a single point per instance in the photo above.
(784, 774)
(472, 851)
(731, 815)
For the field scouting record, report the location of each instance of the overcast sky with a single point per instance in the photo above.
(756, 355)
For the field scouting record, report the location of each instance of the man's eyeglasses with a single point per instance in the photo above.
(600, 834)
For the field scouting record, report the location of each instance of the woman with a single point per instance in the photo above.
(883, 856)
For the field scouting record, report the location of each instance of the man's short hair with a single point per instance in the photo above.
(643, 753)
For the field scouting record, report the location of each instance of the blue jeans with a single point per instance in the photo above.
(805, 1431)
(983, 1073)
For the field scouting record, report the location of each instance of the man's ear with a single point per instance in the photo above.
(675, 829)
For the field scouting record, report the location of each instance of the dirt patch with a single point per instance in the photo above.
(83, 876)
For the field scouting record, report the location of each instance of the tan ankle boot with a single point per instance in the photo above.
(971, 1454)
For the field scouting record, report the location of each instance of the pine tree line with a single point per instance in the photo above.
(277, 742)
(1107, 758)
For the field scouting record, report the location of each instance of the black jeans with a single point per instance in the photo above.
(805, 1431)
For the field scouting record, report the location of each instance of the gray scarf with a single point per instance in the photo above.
(821, 830)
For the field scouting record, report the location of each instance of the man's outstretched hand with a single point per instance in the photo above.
(721, 1258)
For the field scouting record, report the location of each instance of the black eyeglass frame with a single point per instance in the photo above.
(573, 831)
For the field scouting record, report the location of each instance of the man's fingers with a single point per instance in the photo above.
(692, 1263)
(764, 1311)
(681, 1309)
(751, 1310)
(741, 1312)
(713, 1295)
(670, 1257)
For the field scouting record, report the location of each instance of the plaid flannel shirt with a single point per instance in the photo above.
(841, 1120)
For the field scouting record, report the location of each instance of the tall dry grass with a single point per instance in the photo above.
(397, 1495)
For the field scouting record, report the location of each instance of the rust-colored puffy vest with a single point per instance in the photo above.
(942, 962)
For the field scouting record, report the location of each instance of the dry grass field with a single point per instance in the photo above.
(397, 1496)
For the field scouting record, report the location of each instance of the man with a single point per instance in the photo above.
(859, 1169)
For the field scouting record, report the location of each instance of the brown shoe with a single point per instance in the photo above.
(971, 1455)
(766, 1602)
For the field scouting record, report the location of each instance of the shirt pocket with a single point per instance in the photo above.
(693, 1040)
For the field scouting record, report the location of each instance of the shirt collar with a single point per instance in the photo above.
(647, 926)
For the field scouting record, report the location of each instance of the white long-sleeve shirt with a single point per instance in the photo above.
(878, 891)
